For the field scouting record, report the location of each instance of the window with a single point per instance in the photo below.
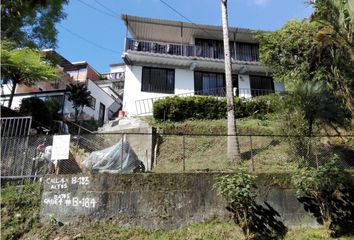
(159, 80)
(261, 85)
(211, 84)
(93, 103)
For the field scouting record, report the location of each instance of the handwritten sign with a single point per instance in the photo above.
(61, 145)
(62, 195)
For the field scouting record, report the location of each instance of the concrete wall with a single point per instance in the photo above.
(154, 201)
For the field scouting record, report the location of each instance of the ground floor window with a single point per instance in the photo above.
(211, 84)
(261, 85)
(159, 80)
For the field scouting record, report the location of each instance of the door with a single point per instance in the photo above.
(101, 114)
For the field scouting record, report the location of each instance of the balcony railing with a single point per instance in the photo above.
(244, 52)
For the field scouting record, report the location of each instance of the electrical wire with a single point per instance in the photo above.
(87, 40)
(187, 19)
(107, 8)
(98, 10)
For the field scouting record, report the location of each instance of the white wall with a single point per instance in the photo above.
(279, 87)
(117, 68)
(101, 97)
(244, 86)
(184, 83)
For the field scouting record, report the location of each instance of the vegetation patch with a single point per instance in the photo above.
(202, 107)
(20, 207)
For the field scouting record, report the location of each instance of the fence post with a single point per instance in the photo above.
(78, 137)
(251, 151)
(121, 154)
(184, 152)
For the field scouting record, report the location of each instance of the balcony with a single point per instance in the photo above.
(244, 51)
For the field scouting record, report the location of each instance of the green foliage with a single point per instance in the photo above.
(79, 96)
(36, 108)
(208, 108)
(20, 207)
(256, 221)
(24, 66)
(321, 49)
(323, 186)
(31, 22)
(54, 106)
(309, 108)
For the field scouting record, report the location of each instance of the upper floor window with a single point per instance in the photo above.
(159, 80)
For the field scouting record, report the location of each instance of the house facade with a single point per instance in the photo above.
(104, 105)
(166, 58)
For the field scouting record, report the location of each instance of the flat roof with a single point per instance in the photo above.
(152, 29)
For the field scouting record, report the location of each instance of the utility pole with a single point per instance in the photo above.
(232, 144)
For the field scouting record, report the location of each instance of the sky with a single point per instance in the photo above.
(94, 32)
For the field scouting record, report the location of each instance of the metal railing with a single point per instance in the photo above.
(188, 50)
(168, 153)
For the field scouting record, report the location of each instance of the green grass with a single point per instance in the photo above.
(208, 153)
(20, 206)
(215, 230)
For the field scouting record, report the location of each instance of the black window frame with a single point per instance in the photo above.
(198, 83)
(93, 103)
(147, 81)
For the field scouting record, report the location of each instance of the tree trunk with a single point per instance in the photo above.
(14, 84)
(76, 115)
(232, 147)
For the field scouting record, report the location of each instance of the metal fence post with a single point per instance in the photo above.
(184, 152)
(121, 154)
(78, 138)
(251, 152)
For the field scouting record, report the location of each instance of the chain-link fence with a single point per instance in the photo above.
(137, 152)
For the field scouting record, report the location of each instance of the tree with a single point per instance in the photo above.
(31, 23)
(24, 66)
(232, 144)
(318, 50)
(327, 192)
(80, 97)
(36, 108)
(309, 108)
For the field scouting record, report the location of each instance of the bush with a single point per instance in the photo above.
(327, 192)
(256, 221)
(36, 108)
(203, 107)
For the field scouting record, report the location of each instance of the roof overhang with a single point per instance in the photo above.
(191, 63)
(150, 29)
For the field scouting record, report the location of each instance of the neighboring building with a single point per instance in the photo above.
(165, 58)
(104, 105)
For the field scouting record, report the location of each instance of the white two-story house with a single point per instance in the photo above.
(165, 58)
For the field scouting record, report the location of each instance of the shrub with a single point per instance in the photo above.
(256, 221)
(36, 108)
(327, 192)
(204, 107)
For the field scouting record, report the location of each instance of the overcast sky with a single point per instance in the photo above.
(94, 32)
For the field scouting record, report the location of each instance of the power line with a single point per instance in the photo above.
(98, 10)
(187, 19)
(107, 8)
(87, 40)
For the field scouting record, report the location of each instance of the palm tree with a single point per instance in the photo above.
(79, 96)
(335, 45)
(24, 66)
(310, 105)
(232, 144)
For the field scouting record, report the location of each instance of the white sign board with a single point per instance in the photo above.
(61, 145)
